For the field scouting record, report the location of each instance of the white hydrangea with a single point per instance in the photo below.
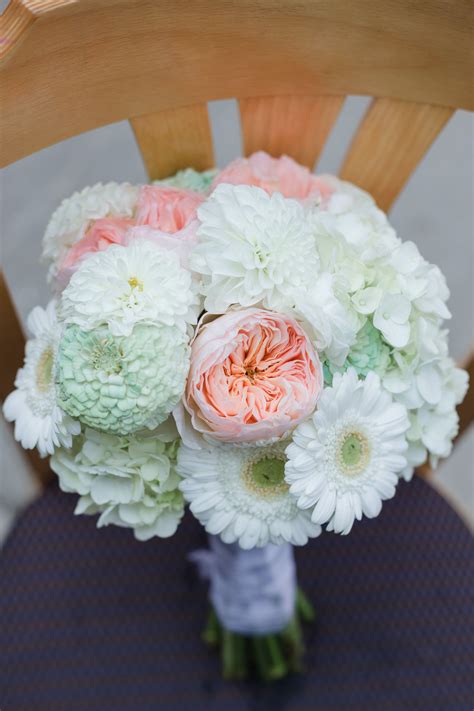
(390, 286)
(328, 317)
(430, 390)
(253, 248)
(122, 286)
(353, 214)
(130, 480)
(73, 216)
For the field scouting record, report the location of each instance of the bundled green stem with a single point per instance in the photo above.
(268, 657)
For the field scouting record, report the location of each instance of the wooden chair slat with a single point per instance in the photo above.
(390, 142)
(13, 347)
(297, 126)
(13, 340)
(175, 139)
(466, 408)
(83, 64)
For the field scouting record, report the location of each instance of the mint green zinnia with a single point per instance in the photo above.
(190, 179)
(122, 384)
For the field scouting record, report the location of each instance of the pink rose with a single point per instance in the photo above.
(102, 233)
(167, 209)
(254, 376)
(274, 174)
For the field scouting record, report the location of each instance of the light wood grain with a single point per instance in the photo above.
(175, 139)
(92, 62)
(297, 126)
(392, 139)
(18, 16)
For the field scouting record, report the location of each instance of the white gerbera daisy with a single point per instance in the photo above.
(240, 494)
(39, 422)
(343, 461)
(125, 285)
(70, 220)
(253, 247)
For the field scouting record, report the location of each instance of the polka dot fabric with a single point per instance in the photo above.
(94, 620)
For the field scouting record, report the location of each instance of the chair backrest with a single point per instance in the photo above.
(68, 66)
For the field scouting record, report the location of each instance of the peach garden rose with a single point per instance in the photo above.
(254, 376)
(281, 175)
(101, 234)
(169, 210)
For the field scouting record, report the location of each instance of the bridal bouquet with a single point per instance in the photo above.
(255, 342)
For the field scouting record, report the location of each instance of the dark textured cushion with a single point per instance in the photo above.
(92, 619)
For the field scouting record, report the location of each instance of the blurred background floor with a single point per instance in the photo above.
(435, 210)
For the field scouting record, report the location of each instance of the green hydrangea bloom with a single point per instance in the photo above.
(190, 179)
(122, 384)
(130, 480)
(369, 353)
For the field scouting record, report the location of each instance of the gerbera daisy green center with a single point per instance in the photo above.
(265, 475)
(240, 494)
(353, 452)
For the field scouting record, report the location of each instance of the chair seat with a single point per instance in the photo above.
(93, 619)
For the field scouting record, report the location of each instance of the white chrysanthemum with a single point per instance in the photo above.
(240, 494)
(252, 248)
(122, 286)
(39, 422)
(70, 220)
(130, 480)
(343, 461)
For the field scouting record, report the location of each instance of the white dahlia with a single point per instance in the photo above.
(39, 421)
(122, 286)
(240, 494)
(343, 461)
(71, 219)
(131, 480)
(252, 247)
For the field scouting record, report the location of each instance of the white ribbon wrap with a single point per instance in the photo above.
(253, 591)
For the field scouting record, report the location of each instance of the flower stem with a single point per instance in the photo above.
(211, 633)
(273, 655)
(303, 607)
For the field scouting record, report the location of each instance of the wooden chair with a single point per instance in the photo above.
(68, 66)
